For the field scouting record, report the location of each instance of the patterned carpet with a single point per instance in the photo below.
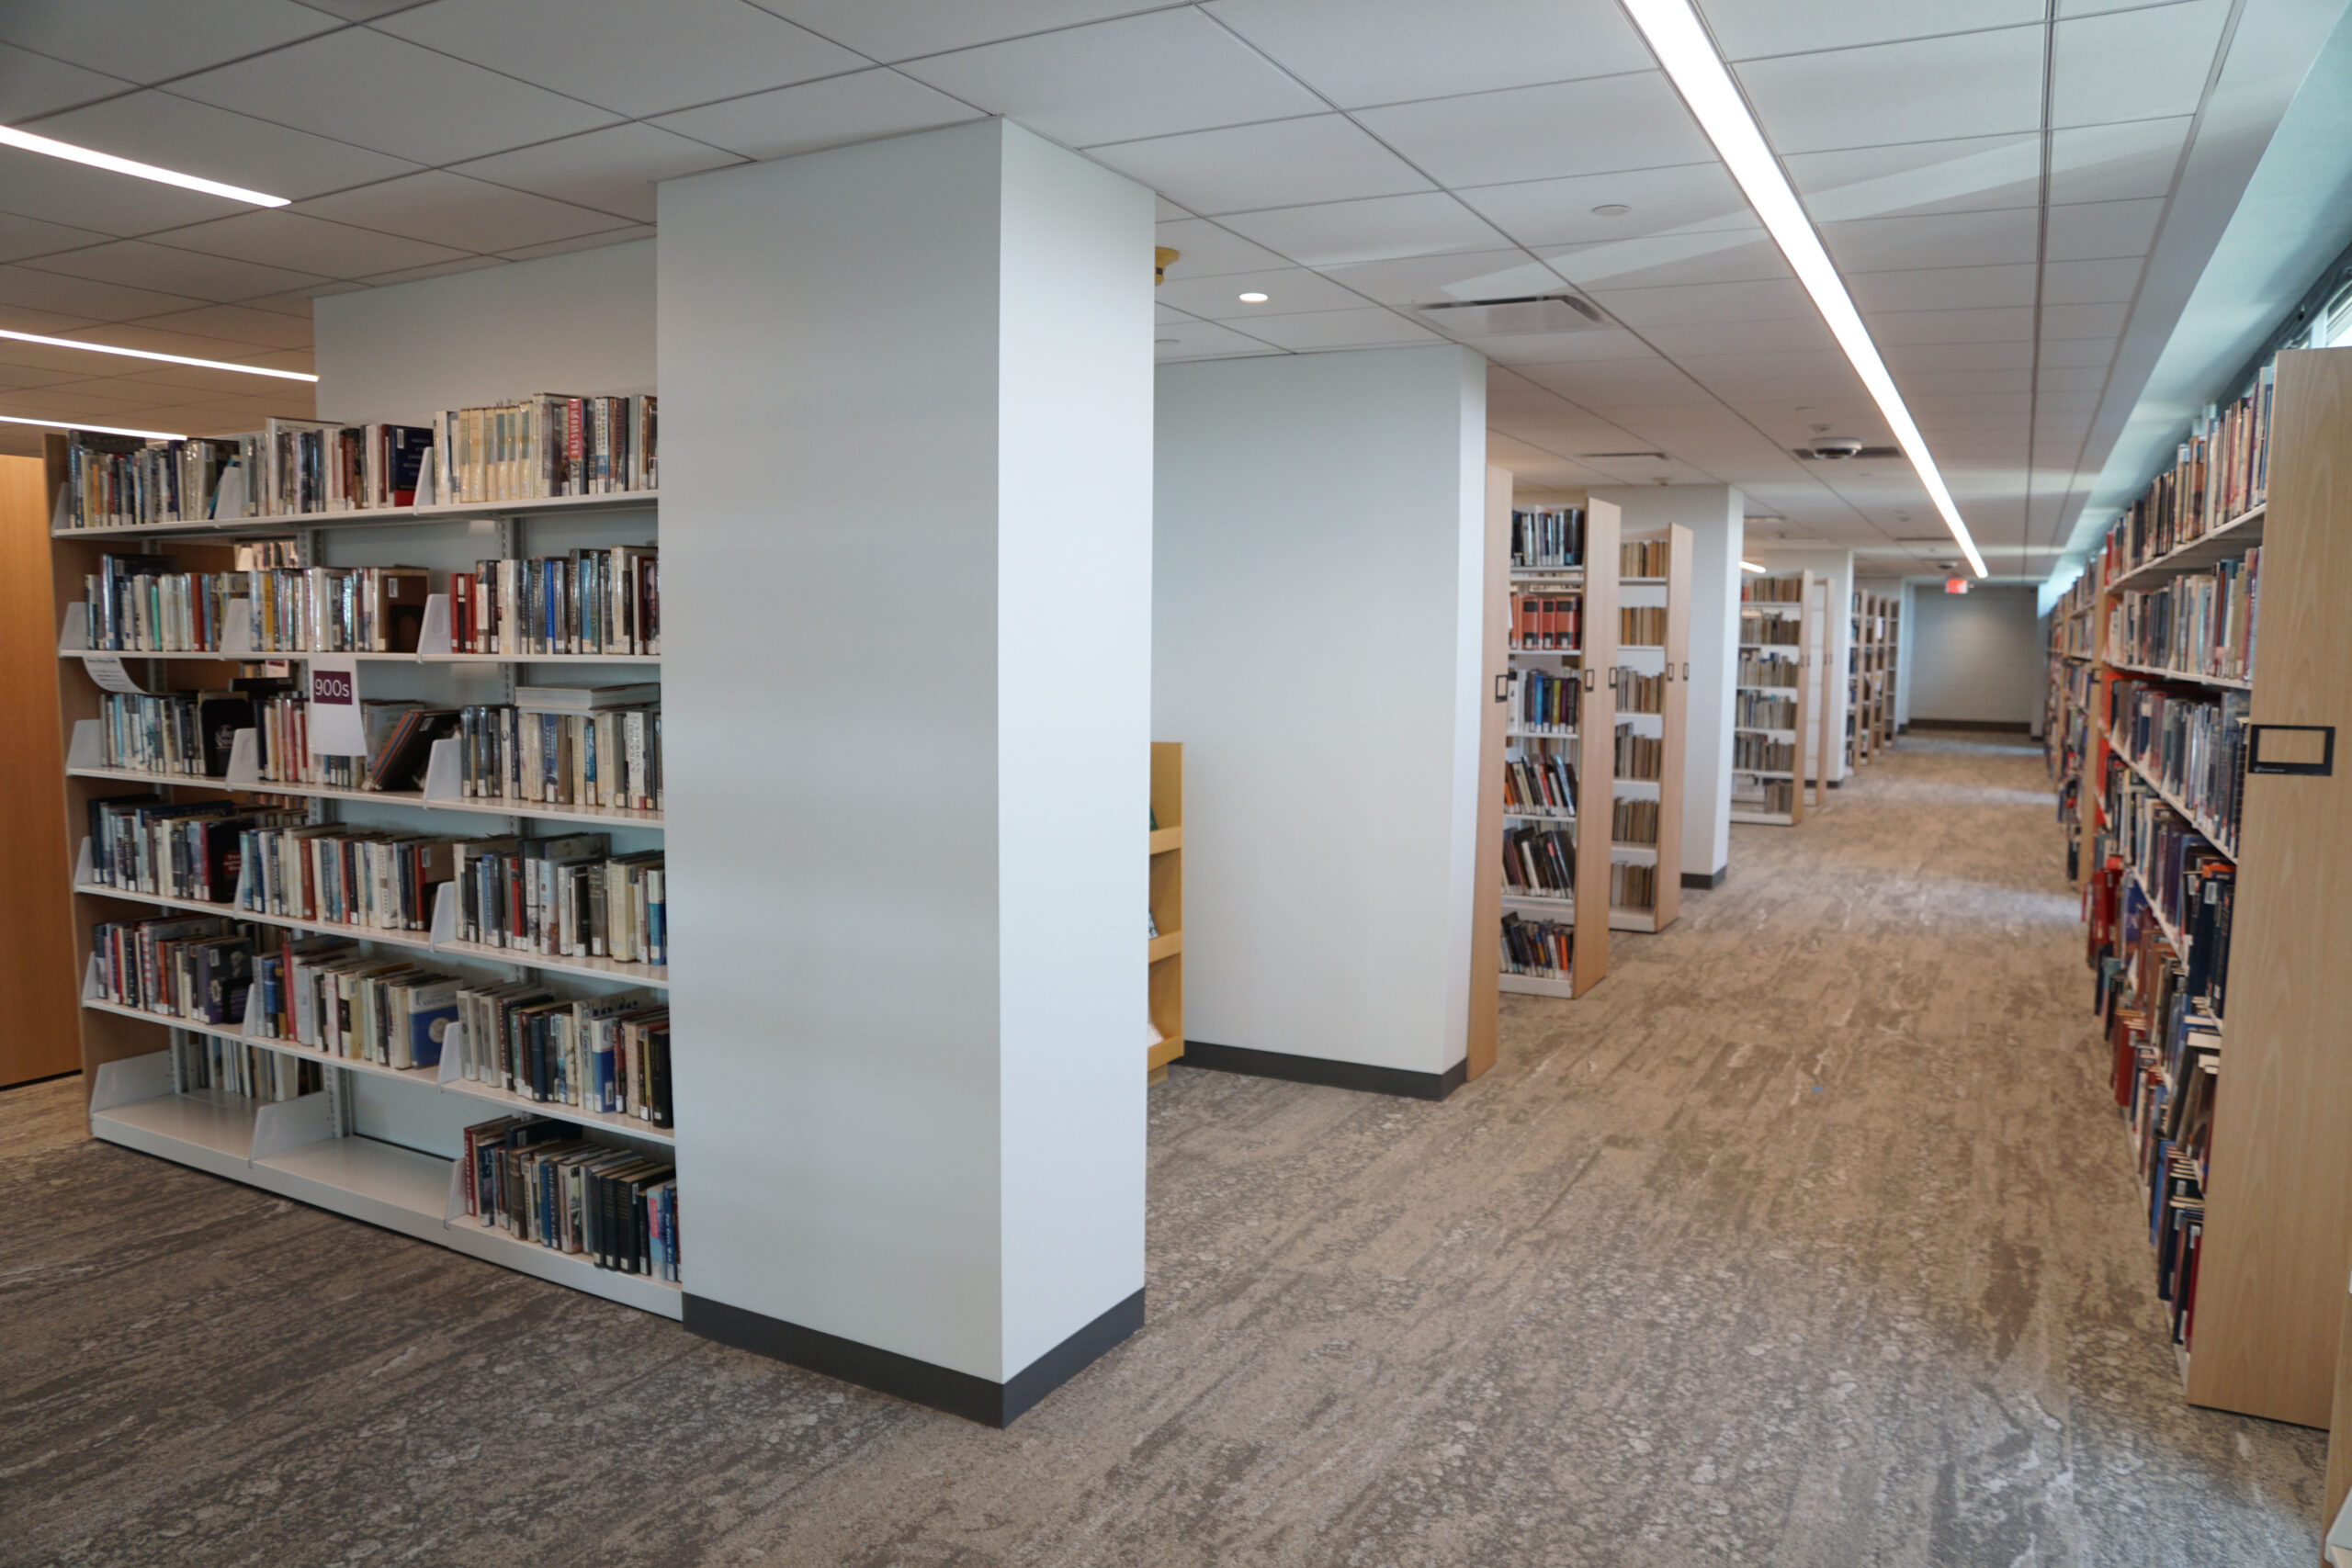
(1805, 1239)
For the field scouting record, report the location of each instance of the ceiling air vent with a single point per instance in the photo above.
(1605, 457)
(1517, 313)
(1842, 450)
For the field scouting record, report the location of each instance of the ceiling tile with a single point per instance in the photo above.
(1533, 351)
(900, 30)
(635, 59)
(1607, 123)
(363, 86)
(831, 113)
(1288, 289)
(1205, 250)
(1469, 275)
(1970, 174)
(21, 237)
(1167, 211)
(2116, 163)
(1285, 163)
(1965, 356)
(232, 324)
(1381, 51)
(54, 191)
(1156, 75)
(1698, 304)
(2000, 325)
(612, 170)
(1366, 328)
(1972, 85)
(2070, 378)
(626, 234)
(2135, 64)
(1662, 259)
(1941, 289)
(1793, 365)
(1205, 339)
(310, 244)
(436, 270)
(2079, 351)
(1680, 200)
(145, 40)
(1934, 240)
(21, 285)
(2007, 382)
(141, 264)
(2082, 321)
(2090, 282)
(1745, 29)
(218, 144)
(34, 85)
(1785, 334)
(2090, 231)
(450, 209)
(1380, 229)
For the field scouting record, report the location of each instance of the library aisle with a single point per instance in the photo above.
(1808, 1239)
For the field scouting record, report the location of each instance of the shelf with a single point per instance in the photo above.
(653, 975)
(1166, 839)
(2183, 676)
(1764, 818)
(1546, 652)
(1540, 732)
(1760, 729)
(1545, 574)
(1561, 905)
(1535, 985)
(1623, 918)
(1167, 946)
(211, 1130)
(612, 816)
(381, 516)
(1761, 772)
(1790, 690)
(1159, 1052)
(272, 657)
(2231, 538)
(2198, 825)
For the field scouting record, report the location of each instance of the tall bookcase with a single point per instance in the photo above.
(1890, 649)
(1652, 683)
(2249, 1210)
(1541, 731)
(1167, 940)
(1772, 700)
(373, 1142)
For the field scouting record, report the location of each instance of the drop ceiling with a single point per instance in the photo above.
(2020, 192)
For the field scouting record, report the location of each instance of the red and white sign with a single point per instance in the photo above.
(1956, 585)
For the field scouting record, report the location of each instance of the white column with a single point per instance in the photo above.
(1320, 540)
(905, 542)
(1712, 513)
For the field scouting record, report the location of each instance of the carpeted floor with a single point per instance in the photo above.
(1805, 1239)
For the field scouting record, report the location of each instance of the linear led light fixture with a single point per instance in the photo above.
(1689, 55)
(11, 137)
(1750, 566)
(151, 354)
(95, 429)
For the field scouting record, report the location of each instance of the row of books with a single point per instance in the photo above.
(563, 898)
(610, 758)
(1632, 885)
(399, 737)
(2199, 624)
(114, 481)
(1642, 557)
(1756, 710)
(346, 876)
(608, 1053)
(1772, 590)
(195, 967)
(143, 843)
(1634, 821)
(1540, 863)
(325, 993)
(1539, 782)
(337, 609)
(539, 1181)
(1639, 756)
(1548, 620)
(550, 444)
(1641, 625)
(2175, 867)
(1548, 536)
(1770, 797)
(1542, 949)
(1637, 692)
(2191, 744)
(1751, 753)
(1760, 630)
(602, 601)
(2219, 473)
(1542, 702)
(172, 734)
(1770, 673)
(146, 605)
(209, 1061)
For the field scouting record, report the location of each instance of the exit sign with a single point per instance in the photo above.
(1956, 585)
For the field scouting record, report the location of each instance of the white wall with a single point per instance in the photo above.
(576, 323)
(1317, 608)
(1836, 567)
(1973, 656)
(1712, 513)
(907, 397)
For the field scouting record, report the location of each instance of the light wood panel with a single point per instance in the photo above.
(39, 996)
(1808, 661)
(1487, 888)
(1673, 730)
(2270, 1289)
(1596, 744)
(1165, 952)
(1824, 640)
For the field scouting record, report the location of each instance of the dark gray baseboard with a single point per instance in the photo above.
(2021, 727)
(1356, 1076)
(906, 1377)
(1701, 880)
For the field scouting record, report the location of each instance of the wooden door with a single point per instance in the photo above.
(39, 993)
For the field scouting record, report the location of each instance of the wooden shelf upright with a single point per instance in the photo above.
(1772, 675)
(1666, 666)
(1167, 942)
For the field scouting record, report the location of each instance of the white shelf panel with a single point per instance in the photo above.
(1627, 920)
(1760, 773)
(1534, 985)
(1763, 819)
(2234, 538)
(612, 817)
(1778, 691)
(1558, 908)
(655, 975)
(378, 518)
(642, 1292)
(2183, 676)
(284, 658)
(209, 1129)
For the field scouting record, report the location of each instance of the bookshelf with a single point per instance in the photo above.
(1653, 683)
(1770, 703)
(1890, 651)
(1870, 664)
(1167, 940)
(373, 1142)
(1557, 701)
(1819, 690)
(2216, 931)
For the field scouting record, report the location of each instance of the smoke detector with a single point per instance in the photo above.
(1841, 448)
(1515, 313)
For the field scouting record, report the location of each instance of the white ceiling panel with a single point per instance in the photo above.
(1592, 126)
(1745, 256)
(1422, 280)
(2014, 383)
(1745, 29)
(1534, 350)
(54, 191)
(2116, 163)
(144, 265)
(436, 270)
(635, 59)
(33, 85)
(1981, 84)
(444, 208)
(900, 30)
(1358, 52)
(1798, 364)
(1288, 290)
(1285, 164)
(2090, 282)
(360, 85)
(1970, 174)
(158, 128)
(831, 113)
(1696, 304)
(2002, 325)
(1370, 327)
(145, 40)
(1151, 75)
(1993, 356)
(1204, 249)
(1786, 334)
(2135, 64)
(613, 170)
(597, 241)
(306, 243)
(230, 323)
(21, 237)
(1205, 339)
(2079, 351)
(1680, 200)
(2070, 378)
(1380, 229)
(21, 285)
(2082, 321)
(1937, 240)
(2094, 230)
(1942, 289)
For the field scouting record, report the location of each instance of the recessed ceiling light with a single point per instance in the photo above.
(1749, 566)
(1253, 298)
(1683, 48)
(11, 137)
(1612, 210)
(166, 358)
(99, 429)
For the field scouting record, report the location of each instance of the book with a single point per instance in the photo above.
(585, 699)
(539, 1181)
